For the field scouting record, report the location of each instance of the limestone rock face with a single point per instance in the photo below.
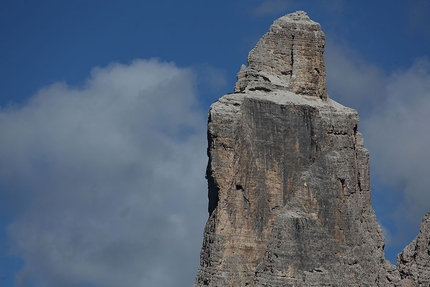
(414, 261)
(288, 177)
(289, 57)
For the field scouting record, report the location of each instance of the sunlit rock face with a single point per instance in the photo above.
(288, 176)
(288, 57)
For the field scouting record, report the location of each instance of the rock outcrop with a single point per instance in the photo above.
(288, 57)
(414, 261)
(288, 178)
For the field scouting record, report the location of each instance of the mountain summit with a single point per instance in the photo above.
(288, 179)
(289, 57)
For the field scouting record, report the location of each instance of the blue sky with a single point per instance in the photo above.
(103, 120)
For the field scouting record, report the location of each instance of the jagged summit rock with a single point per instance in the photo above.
(289, 56)
(288, 178)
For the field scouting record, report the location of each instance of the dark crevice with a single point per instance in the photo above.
(260, 89)
(342, 184)
(292, 54)
(225, 146)
(213, 191)
(265, 78)
(333, 132)
(358, 180)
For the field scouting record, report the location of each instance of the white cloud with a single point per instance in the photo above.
(394, 121)
(399, 135)
(352, 81)
(106, 181)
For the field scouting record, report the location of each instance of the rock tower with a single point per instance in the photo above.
(288, 179)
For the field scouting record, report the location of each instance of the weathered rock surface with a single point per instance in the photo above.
(288, 57)
(414, 261)
(288, 177)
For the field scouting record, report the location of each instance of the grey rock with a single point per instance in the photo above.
(414, 261)
(289, 199)
(289, 56)
(288, 178)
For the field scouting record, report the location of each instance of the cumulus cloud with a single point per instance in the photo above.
(394, 121)
(107, 179)
(400, 134)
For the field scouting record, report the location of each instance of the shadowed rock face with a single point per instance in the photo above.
(288, 177)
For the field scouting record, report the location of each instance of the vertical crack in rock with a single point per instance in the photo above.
(288, 179)
(292, 52)
(213, 191)
(290, 72)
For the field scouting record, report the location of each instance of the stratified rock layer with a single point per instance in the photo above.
(288, 177)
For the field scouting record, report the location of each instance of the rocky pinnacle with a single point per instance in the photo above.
(289, 56)
(288, 179)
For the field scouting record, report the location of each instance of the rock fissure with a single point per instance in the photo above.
(290, 72)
